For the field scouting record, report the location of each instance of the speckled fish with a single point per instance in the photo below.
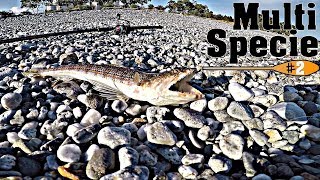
(112, 82)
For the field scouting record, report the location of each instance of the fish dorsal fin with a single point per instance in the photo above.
(108, 92)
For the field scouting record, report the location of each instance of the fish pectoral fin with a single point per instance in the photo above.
(108, 92)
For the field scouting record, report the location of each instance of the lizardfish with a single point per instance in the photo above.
(112, 82)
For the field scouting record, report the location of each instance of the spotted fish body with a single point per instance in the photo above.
(112, 80)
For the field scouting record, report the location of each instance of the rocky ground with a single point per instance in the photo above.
(259, 125)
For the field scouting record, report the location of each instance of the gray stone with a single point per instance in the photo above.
(258, 137)
(218, 103)
(311, 131)
(191, 118)
(155, 114)
(248, 163)
(29, 167)
(158, 133)
(290, 112)
(199, 105)
(114, 137)
(239, 92)
(91, 117)
(7, 162)
(11, 101)
(232, 146)
(86, 134)
(192, 159)
(220, 164)
(232, 126)
(102, 161)
(148, 158)
(239, 111)
(69, 153)
(187, 172)
(128, 157)
(119, 106)
(134, 173)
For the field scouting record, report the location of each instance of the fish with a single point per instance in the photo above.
(116, 82)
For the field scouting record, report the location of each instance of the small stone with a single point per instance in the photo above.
(91, 101)
(134, 110)
(273, 135)
(158, 133)
(148, 158)
(199, 105)
(192, 159)
(311, 132)
(218, 103)
(291, 136)
(33, 114)
(188, 172)
(68, 58)
(114, 137)
(239, 111)
(86, 134)
(155, 114)
(73, 128)
(220, 164)
(170, 154)
(102, 161)
(63, 108)
(265, 100)
(290, 96)
(11, 101)
(248, 163)
(7, 162)
(239, 92)
(310, 108)
(232, 126)
(255, 123)
(261, 177)
(29, 167)
(204, 133)
(90, 152)
(232, 146)
(191, 118)
(128, 157)
(305, 144)
(284, 171)
(18, 119)
(69, 153)
(52, 162)
(28, 131)
(136, 172)
(272, 120)
(77, 113)
(119, 106)
(290, 111)
(258, 137)
(257, 111)
(69, 89)
(91, 117)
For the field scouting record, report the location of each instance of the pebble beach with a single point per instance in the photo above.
(258, 125)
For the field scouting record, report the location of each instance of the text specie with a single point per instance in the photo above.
(259, 44)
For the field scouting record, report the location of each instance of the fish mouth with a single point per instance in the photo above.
(181, 86)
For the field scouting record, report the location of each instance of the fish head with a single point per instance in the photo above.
(173, 88)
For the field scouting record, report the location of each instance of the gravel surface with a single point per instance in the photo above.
(251, 125)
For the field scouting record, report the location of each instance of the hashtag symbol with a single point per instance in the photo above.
(290, 68)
